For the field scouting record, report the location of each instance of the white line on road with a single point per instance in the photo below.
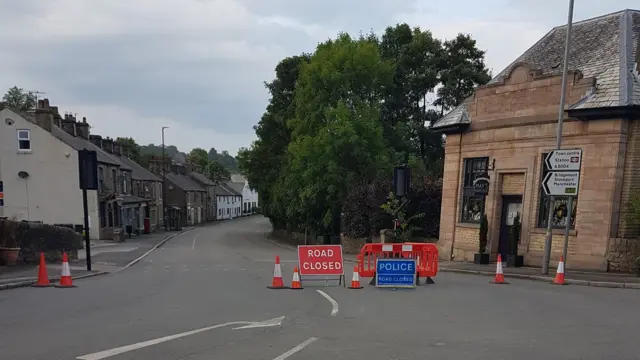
(334, 303)
(193, 246)
(297, 348)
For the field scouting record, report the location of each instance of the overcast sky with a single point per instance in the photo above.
(197, 66)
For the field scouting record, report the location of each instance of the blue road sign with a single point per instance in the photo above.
(396, 272)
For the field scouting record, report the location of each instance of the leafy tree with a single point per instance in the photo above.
(130, 148)
(398, 211)
(216, 172)
(224, 158)
(20, 100)
(199, 156)
(462, 69)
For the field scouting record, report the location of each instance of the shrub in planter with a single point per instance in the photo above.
(513, 259)
(482, 257)
(9, 245)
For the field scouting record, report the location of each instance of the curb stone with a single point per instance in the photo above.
(27, 283)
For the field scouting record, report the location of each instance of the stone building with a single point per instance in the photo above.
(507, 126)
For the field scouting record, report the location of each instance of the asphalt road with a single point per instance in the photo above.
(191, 298)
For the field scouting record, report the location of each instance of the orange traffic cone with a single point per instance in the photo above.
(277, 282)
(499, 279)
(295, 283)
(355, 280)
(559, 280)
(43, 277)
(65, 278)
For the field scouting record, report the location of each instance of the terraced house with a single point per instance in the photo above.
(507, 126)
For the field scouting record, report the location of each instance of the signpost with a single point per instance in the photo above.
(396, 273)
(321, 261)
(563, 179)
(88, 170)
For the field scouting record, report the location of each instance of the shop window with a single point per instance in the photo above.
(559, 206)
(472, 203)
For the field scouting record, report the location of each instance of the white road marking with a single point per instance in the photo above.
(268, 323)
(334, 303)
(296, 349)
(193, 246)
(123, 349)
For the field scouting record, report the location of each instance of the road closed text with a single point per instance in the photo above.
(320, 260)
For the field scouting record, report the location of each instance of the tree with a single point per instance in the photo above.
(20, 100)
(199, 156)
(216, 172)
(462, 69)
(130, 148)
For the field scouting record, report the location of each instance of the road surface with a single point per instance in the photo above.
(203, 296)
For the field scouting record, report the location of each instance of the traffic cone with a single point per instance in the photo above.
(65, 278)
(295, 283)
(277, 282)
(355, 280)
(43, 277)
(499, 279)
(559, 280)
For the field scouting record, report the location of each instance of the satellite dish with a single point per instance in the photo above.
(23, 174)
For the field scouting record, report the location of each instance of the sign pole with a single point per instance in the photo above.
(87, 242)
(563, 95)
(567, 227)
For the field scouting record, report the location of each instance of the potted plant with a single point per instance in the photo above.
(482, 257)
(513, 259)
(9, 248)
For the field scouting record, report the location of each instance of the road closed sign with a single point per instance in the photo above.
(321, 260)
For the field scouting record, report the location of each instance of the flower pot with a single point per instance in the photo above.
(482, 259)
(9, 256)
(515, 260)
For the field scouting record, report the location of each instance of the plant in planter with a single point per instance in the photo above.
(513, 259)
(482, 257)
(9, 247)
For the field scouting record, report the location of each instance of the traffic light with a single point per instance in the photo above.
(401, 180)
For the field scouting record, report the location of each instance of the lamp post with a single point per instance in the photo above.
(164, 181)
(563, 95)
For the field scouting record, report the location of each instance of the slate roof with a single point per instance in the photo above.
(224, 191)
(235, 187)
(200, 178)
(183, 182)
(605, 47)
(79, 143)
(138, 171)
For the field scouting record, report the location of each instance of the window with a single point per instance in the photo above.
(24, 140)
(114, 174)
(559, 206)
(228, 211)
(472, 204)
(125, 180)
(100, 179)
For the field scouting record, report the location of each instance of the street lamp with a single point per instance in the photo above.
(563, 94)
(164, 181)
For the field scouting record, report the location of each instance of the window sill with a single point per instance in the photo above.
(555, 231)
(24, 151)
(468, 225)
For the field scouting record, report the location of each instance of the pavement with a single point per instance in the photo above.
(203, 295)
(106, 257)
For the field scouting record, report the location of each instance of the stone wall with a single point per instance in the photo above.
(624, 255)
(352, 245)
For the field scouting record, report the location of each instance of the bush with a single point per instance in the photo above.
(32, 238)
(362, 215)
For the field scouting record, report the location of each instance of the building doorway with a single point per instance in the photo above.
(511, 206)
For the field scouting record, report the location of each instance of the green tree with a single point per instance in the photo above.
(199, 156)
(216, 172)
(130, 148)
(20, 100)
(462, 69)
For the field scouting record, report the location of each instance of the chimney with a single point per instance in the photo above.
(188, 167)
(44, 118)
(69, 124)
(117, 148)
(107, 145)
(82, 129)
(175, 168)
(96, 140)
(182, 170)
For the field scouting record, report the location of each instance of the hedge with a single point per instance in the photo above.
(32, 238)
(363, 217)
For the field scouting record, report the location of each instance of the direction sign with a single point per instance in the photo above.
(564, 160)
(396, 273)
(561, 183)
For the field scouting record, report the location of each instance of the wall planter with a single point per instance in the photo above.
(9, 256)
(482, 259)
(515, 260)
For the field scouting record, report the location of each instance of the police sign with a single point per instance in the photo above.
(396, 273)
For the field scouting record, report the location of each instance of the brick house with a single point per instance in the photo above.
(185, 195)
(195, 173)
(507, 126)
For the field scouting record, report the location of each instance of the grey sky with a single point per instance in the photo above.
(197, 66)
